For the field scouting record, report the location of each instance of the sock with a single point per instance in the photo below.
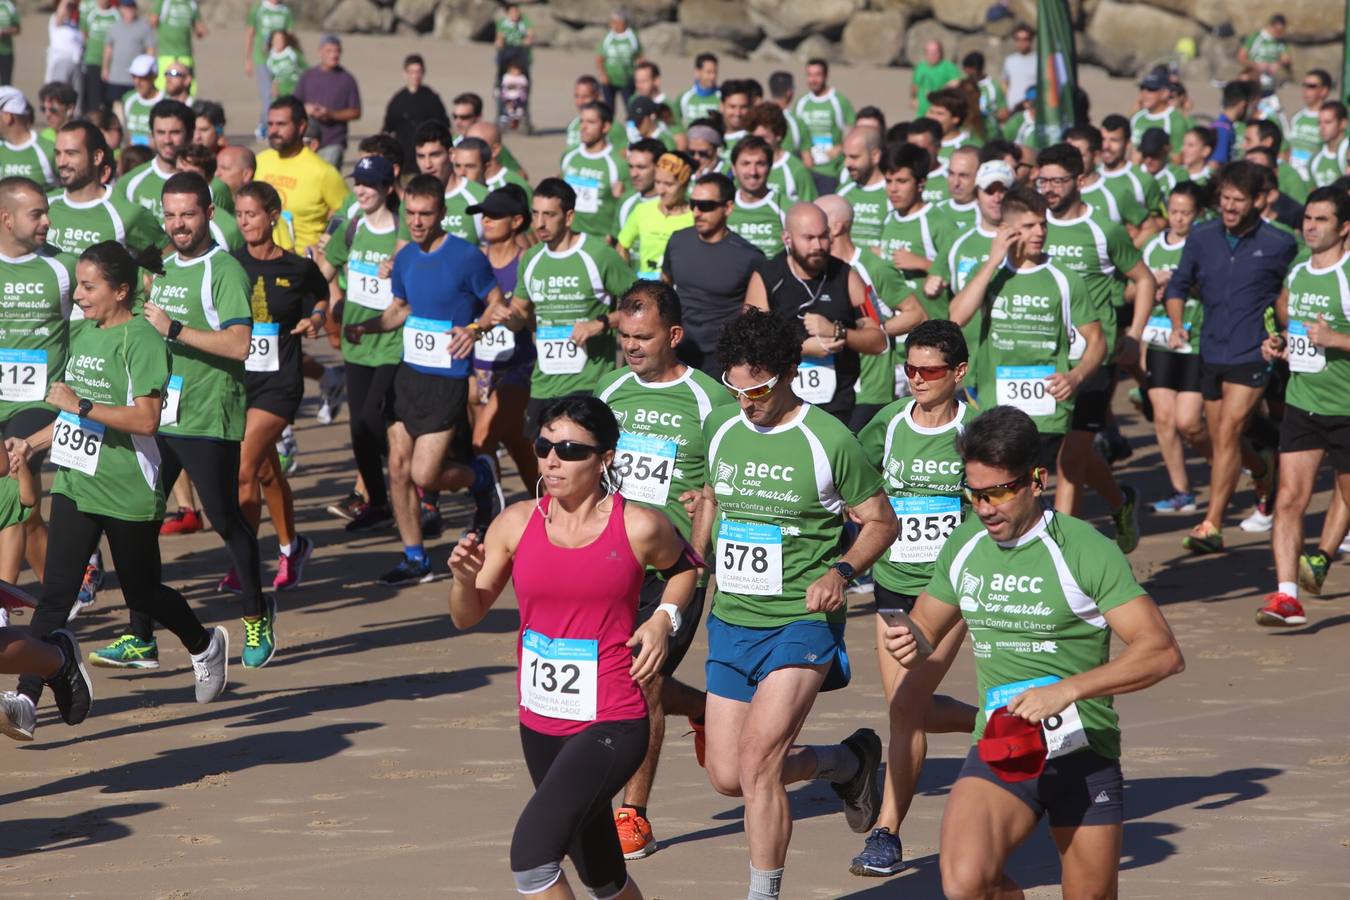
(765, 884)
(287, 549)
(96, 559)
(205, 650)
(835, 763)
(415, 553)
(1288, 587)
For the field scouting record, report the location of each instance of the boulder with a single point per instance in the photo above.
(927, 30)
(417, 13)
(1309, 20)
(772, 53)
(641, 13)
(1316, 56)
(787, 19)
(358, 17)
(462, 21)
(992, 47)
(817, 46)
(663, 39)
(914, 8)
(876, 38)
(587, 38)
(546, 25)
(693, 46)
(967, 15)
(1126, 38)
(717, 18)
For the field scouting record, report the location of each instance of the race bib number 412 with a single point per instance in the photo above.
(23, 375)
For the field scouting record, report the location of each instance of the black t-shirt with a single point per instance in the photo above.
(284, 291)
(408, 111)
(711, 280)
(826, 295)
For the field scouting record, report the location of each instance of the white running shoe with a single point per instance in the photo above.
(333, 389)
(1257, 523)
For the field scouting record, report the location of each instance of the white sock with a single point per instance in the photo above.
(1288, 587)
(765, 884)
(288, 549)
(835, 763)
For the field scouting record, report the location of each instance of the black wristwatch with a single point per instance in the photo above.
(604, 323)
(86, 407)
(175, 329)
(845, 570)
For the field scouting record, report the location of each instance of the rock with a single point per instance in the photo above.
(992, 47)
(1180, 7)
(663, 39)
(967, 15)
(877, 38)
(1025, 10)
(693, 46)
(641, 13)
(927, 30)
(786, 19)
(1126, 38)
(772, 53)
(462, 21)
(1309, 20)
(358, 17)
(817, 46)
(718, 18)
(546, 26)
(915, 8)
(231, 13)
(417, 13)
(587, 38)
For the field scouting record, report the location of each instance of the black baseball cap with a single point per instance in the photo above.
(1155, 81)
(642, 107)
(500, 204)
(1153, 142)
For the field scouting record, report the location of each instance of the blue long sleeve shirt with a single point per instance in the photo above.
(1236, 283)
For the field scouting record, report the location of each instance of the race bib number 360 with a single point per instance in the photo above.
(558, 676)
(646, 464)
(925, 525)
(557, 354)
(77, 443)
(23, 375)
(1025, 388)
(750, 558)
(426, 342)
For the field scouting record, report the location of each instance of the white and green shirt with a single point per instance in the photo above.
(956, 266)
(1304, 137)
(935, 189)
(1099, 252)
(1319, 378)
(94, 24)
(870, 208)
(174, 35)
(1172, 121)
(1135, 191)
(34, 159)
(136, 116)
(35, 304)
(9, 17)
(1328, 165)
(886, 291)
(694, 105)
(264, 18)
(826, 117)
(760, 222)
(620, 51)
(790, 177)
(1161, 255)
(916, 233)
(357, 252)
(76, 226)
(592, 176)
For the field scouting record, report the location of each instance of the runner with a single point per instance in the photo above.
(758, 215)
(641, 156)
(596, 172)
(133, 106)
(433, 146)
(201, 160)
(22, 151)
(1069, 584)
(827, 115)
(703, 96)
(780, 468)
(571, 279)
(949, 108)
(1156, 109)
(909, 234)
(1128, 183)
(1087, 140)
(580, 686)
(89, 209)
(1314, 310)
(866, 188)
(915, 442)
(651, 224)
(439, 286)
(201, 307)
(585, 92)
(661, 405)
(1331, 159)
(171, 125)
(312, 191)
(55, 659)
(108, 480)
(737, 98)
(1304, 133)
(789, 175)
(956, 215)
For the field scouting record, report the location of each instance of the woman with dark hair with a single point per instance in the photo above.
(577, 556)
(103, 440)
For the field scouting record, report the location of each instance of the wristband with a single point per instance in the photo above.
(175, 329)
(673, 611)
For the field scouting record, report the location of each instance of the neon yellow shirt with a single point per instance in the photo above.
(312, 191)
(650, 229)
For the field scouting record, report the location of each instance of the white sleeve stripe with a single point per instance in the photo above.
(1083, 606)
(826, 490)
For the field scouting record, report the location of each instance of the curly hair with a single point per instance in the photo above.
(763, 341)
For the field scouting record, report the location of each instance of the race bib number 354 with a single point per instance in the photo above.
(646, 464)
(558, 676)
(750, 558)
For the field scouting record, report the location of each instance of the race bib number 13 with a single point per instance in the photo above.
(750, 558)
(558, 676)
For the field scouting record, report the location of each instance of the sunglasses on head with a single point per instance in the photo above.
(706, 205)
(568, 451)
(996, 494)
(756, 392)
(929, 373)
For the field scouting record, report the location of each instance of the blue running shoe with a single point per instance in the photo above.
(881, 855)
(1180, 502)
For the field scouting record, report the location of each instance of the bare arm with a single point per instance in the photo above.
(877, 530)
(911, 316)
(481, 570)
(1145, 289)
(932, 617)
(228, 343)
(393, 316)
(867, 337)
(756, 294)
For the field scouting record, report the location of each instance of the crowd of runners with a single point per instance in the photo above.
(753, 351)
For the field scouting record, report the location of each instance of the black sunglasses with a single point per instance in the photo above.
(706, 205)
(568, 451)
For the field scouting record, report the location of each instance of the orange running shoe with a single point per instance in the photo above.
(700, 740)
(1281, 609)
(635, 833)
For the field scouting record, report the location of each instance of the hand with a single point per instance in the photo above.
(461, 341)
(387, 267)
(1005, 242)
(1177, 338)
(907, 259)
(62, 397)
(585, 330)
(308, 327)
(499, 313)
(1274, 347)
(353, 333)
(18, 451)
(1320, 334)
(1061, 385)
(901, 644)
(1161, 278)
(1040, 703)
(826, 593)
(818, 326)
(1126, 347)
(690, 500)
(157, 317)
(932, 287)
(654, 638)
(466, 560)
(322, 244)
(829, 345)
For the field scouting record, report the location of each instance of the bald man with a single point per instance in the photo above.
(823, 292)
(866, 189)
(495, 172)
(235, 166)
(957, 214)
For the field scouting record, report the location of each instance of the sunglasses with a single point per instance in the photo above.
(1313, 86)
(704, 154)
(458, 118)
(706, 205)
(568, 451)
(175, 73)
(997, 494)
(929, 373)
(757, 392)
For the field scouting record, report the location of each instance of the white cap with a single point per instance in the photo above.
(144, 66)
(12, 101)
(996, 171)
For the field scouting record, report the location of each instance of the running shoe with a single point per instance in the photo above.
(1312, 571)
(288, 451)
(1204, 538)
(333, 389)
(1113, 447)
(700, 739)
(93, 580)
(127, 652)
(1281, 609)
(1179, 502)
(18, 716)
(1266, 486)
(488, 499)
(1127, 520)
(71, 687)
(181, 521)
(635, 833)
(347, 507)
(230, 583)
(862, 800)
(408, 571)
(369, 517)
(291, 566)
(882, 855)
(212, 666)
(1260, 521)
(260, 639)
(432, 523)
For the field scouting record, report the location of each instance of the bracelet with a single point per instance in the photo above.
(839, 331)
(604, 323)
(673, 611)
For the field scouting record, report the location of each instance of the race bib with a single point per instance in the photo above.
(1063, 732)
(366, 288)
(1300, 159)
(588, 193)
(750, 558)
(77, 443)
(647, 466)
(1157, 332)
(557, 354)
(821, 145)
(494, 343)
(23, 375)
(173, 395)
(263, 352)
(816, 380)
(1304, 356)
(925, 525)
(1024, 387)
(558, 676)
(426, 342)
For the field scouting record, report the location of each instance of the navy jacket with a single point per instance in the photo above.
(1236, 287)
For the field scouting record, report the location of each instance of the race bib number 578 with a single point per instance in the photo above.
(750, 558)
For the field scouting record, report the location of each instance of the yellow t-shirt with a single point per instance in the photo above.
(650, 229)
(312, 191)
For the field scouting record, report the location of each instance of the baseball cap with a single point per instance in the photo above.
(143, 66)
(373, 171)
(1153, 142)
(1013, 747)
(12, 101)
(641, 108)
(993, 172)
(499, 204)
(1154, 81)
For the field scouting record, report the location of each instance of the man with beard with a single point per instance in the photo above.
(311, 190)
(1129, 184)
(866, 190)
(171, 126)
(956, 215)
(90, 210)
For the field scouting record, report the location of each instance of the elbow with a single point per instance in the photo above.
(239, 350)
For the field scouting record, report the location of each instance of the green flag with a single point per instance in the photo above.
(1056, 71)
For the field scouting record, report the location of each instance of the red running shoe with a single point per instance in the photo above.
(184, 521)
(1281, 609)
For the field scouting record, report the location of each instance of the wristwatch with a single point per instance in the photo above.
(673, 611)
(86, 407)
(840, 330)
(175, 329)
(604, 323)
(845, 570)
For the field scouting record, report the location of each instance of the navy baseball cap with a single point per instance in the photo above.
(373, 171)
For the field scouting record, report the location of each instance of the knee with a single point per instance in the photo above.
(759, 765)
(423, 476)
(968, 878)
(537, 879)
(723, 775)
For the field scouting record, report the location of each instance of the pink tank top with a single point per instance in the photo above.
(578, 606)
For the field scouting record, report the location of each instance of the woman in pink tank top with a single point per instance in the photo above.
(576, 556)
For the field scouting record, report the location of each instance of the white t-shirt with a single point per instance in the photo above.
(1019, 70)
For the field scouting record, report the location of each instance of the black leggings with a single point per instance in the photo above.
(370, 397)
(213, 467)
(6, 69)
(91, 89)
(73, 535)
(575, 779)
